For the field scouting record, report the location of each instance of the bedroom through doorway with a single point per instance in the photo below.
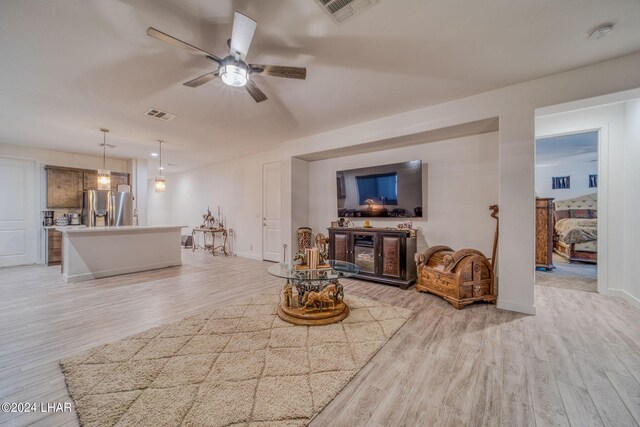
(566, 185)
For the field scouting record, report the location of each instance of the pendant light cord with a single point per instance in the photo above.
(160, 144)
(104, 150)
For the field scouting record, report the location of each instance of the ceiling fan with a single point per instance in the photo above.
(233, 70)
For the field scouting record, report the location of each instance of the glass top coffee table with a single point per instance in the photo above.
(313, 297)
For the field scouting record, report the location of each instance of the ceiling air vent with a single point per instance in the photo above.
(341, 10)
(161, 115)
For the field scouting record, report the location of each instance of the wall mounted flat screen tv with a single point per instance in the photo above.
(381, 191)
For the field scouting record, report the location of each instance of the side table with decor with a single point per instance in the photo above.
(211, 247)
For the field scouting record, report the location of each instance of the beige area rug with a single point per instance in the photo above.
(236, 365)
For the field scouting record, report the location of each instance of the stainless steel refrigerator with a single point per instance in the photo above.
(103, 208)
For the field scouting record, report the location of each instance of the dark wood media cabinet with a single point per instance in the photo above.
(384, 255)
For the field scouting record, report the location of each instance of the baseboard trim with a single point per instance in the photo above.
(248, 255)
(624, 295)
(118, 271)
(519, 308)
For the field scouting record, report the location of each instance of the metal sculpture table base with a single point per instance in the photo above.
(293, 310)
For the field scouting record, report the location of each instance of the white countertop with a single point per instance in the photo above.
(109, 230)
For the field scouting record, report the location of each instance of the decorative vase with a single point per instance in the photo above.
(304, 238)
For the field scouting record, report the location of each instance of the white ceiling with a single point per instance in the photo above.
(69, 67)
(555, 150)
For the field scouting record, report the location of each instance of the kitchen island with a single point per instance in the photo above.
(94, 252)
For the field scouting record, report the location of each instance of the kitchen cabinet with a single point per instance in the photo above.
(64, 188)
(65, 185)
(90, 180)
(118, 178)
(54, 247)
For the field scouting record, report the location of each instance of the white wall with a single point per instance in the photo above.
(632, 199)
(460, 182)
(577, 167)
(515, 107)
(235, 186)
(159, 206)
(302, 194)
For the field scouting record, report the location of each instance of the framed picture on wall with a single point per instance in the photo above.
(560, 182)
(593, 181)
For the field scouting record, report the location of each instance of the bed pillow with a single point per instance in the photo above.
(582, 213)
(561, 214)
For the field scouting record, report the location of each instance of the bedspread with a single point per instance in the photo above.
(577, 230)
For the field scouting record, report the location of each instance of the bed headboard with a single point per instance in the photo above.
(588, 201)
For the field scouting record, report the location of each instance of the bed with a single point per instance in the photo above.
(576, 228)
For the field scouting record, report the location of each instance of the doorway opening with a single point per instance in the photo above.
(614, 117)
(566, 188)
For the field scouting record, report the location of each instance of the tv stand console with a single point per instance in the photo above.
(384, 255)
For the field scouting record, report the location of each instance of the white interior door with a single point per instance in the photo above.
(17, 212)
(271, 233)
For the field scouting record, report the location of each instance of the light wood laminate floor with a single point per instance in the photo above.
(577, 362)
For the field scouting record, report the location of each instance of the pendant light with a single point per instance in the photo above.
(161, 183)
(104, 175)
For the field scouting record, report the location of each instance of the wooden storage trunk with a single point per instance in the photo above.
(461, 277)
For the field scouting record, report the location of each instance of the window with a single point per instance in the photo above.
(593, 181)
(560, 182)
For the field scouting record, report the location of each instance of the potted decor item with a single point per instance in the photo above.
(299, 259)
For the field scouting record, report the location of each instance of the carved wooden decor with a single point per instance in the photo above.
(305, 235)
(391, 256)
(340, 246)
(569, 252)
(544, 233)
(312, 308)
(461, 277)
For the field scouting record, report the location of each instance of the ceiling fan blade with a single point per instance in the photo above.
(199, 81)
(279, 71)
(164, 37)
(255, 92)
(241, 34)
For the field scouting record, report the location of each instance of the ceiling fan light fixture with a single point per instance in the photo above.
(234, 75)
